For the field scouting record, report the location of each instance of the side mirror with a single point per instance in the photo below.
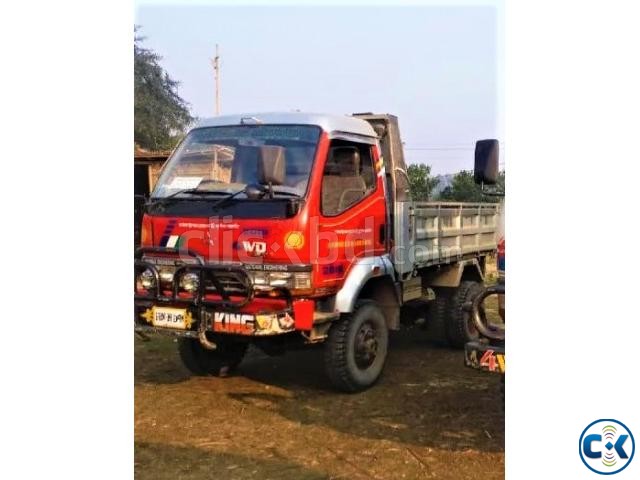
(486, 165)
(271, 165)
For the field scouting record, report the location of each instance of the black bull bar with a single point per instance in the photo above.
(205, 272)
(232, 298)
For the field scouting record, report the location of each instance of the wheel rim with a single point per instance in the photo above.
(471, 330)
(366, 346)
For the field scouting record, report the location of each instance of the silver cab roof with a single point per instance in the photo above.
(329, 123)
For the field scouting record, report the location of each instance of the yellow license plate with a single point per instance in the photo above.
(167, 317)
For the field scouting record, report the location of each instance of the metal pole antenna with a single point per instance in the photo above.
(216, 71)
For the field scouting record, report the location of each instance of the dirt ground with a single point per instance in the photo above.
(278, 418)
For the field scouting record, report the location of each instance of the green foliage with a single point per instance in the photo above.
(160, 115)
(464, 189)
(421, 183)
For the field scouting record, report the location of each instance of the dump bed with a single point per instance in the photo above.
(443, 232)
(428, 233)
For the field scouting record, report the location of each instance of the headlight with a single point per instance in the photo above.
(190, 282)
(292, 281)
(166, 276)
(280, 279)
(260, 279)
(147, 279)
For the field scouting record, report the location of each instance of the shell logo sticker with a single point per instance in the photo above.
(294, 240)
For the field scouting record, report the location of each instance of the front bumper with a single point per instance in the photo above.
(255, 322)
(228, 305)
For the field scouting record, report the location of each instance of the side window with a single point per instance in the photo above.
(348, 176)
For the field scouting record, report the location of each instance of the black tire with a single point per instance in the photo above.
(219, 362)
(437, 312)
(356, 349)
(459, 328)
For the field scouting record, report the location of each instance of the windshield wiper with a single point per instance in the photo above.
(252, 191)
(162, 200)
(191, 190)
(228, 197)
(286, 192)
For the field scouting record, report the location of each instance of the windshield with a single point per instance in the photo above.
(225, 159)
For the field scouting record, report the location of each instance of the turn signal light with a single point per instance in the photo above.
(146, 232)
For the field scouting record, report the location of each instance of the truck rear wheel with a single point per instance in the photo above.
(219, 362)
(356, 349)
(437, 312)
(459, 328)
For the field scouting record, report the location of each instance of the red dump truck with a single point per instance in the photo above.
(284, 229)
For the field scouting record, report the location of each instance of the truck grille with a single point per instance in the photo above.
(231, 282)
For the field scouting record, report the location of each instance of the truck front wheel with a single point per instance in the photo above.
(219, 362)
(356, 349)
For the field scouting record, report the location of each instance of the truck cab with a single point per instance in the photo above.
(282, 229)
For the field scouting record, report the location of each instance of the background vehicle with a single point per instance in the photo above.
(287, 229)
(488, 352)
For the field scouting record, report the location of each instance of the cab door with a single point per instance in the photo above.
(351, 210)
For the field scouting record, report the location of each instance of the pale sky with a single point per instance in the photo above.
(439, 69)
